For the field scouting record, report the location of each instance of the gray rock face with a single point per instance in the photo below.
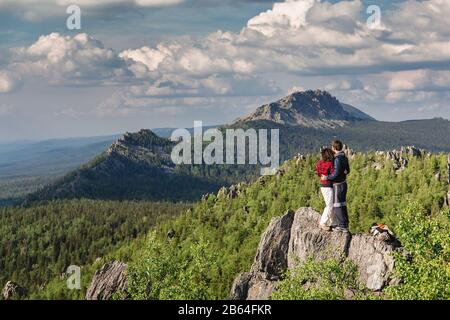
(239, 290)
(252, 286)
(292, 239)
(373, 258)
(270, 262)
(271, 257)
(107, 281)
(260, 288)
(309, 241)
(13, 291)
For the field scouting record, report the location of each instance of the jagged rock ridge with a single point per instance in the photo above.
(399, 158)
(314, 109)
(143, 146)
(295, 237)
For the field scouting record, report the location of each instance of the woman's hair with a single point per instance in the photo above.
(327, 154)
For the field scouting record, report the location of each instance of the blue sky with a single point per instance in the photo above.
(137, 26)
(142, 63)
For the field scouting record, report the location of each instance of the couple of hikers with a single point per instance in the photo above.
(333, 169)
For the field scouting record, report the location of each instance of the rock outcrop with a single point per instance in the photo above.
(350, 153)
(374, 259)
(230, 193)
(398, 157)
(307, 240)
(252, 286)
(399, 161)
(299, 158)
(295, 237)
(13, 291)
(271, 257)
(107, 281)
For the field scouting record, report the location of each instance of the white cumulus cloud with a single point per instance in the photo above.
(65, 60)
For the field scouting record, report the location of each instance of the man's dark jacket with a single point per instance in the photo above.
(341, 169)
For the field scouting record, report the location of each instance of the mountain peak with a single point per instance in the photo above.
(142, 146)
(144, 138)
(311, 108)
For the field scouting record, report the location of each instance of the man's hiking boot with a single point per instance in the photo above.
(340, 229)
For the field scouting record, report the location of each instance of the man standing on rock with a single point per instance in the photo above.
(339, 181)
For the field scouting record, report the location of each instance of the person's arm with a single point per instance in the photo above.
(337, 170)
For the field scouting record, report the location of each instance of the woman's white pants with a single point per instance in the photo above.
(327, 216)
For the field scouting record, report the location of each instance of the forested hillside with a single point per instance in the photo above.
(218, 239)
(139, 167)
(198, 253)
(362, 136)
(37, 244)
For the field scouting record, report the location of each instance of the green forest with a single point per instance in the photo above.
(38, 243)
(220, 236)
(217, 238)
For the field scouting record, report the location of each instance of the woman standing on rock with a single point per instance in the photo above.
(324, 168)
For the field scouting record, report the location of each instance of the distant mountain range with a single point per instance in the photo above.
(138, 165)
(49, 157)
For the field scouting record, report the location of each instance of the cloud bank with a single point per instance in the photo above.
(405, 58)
